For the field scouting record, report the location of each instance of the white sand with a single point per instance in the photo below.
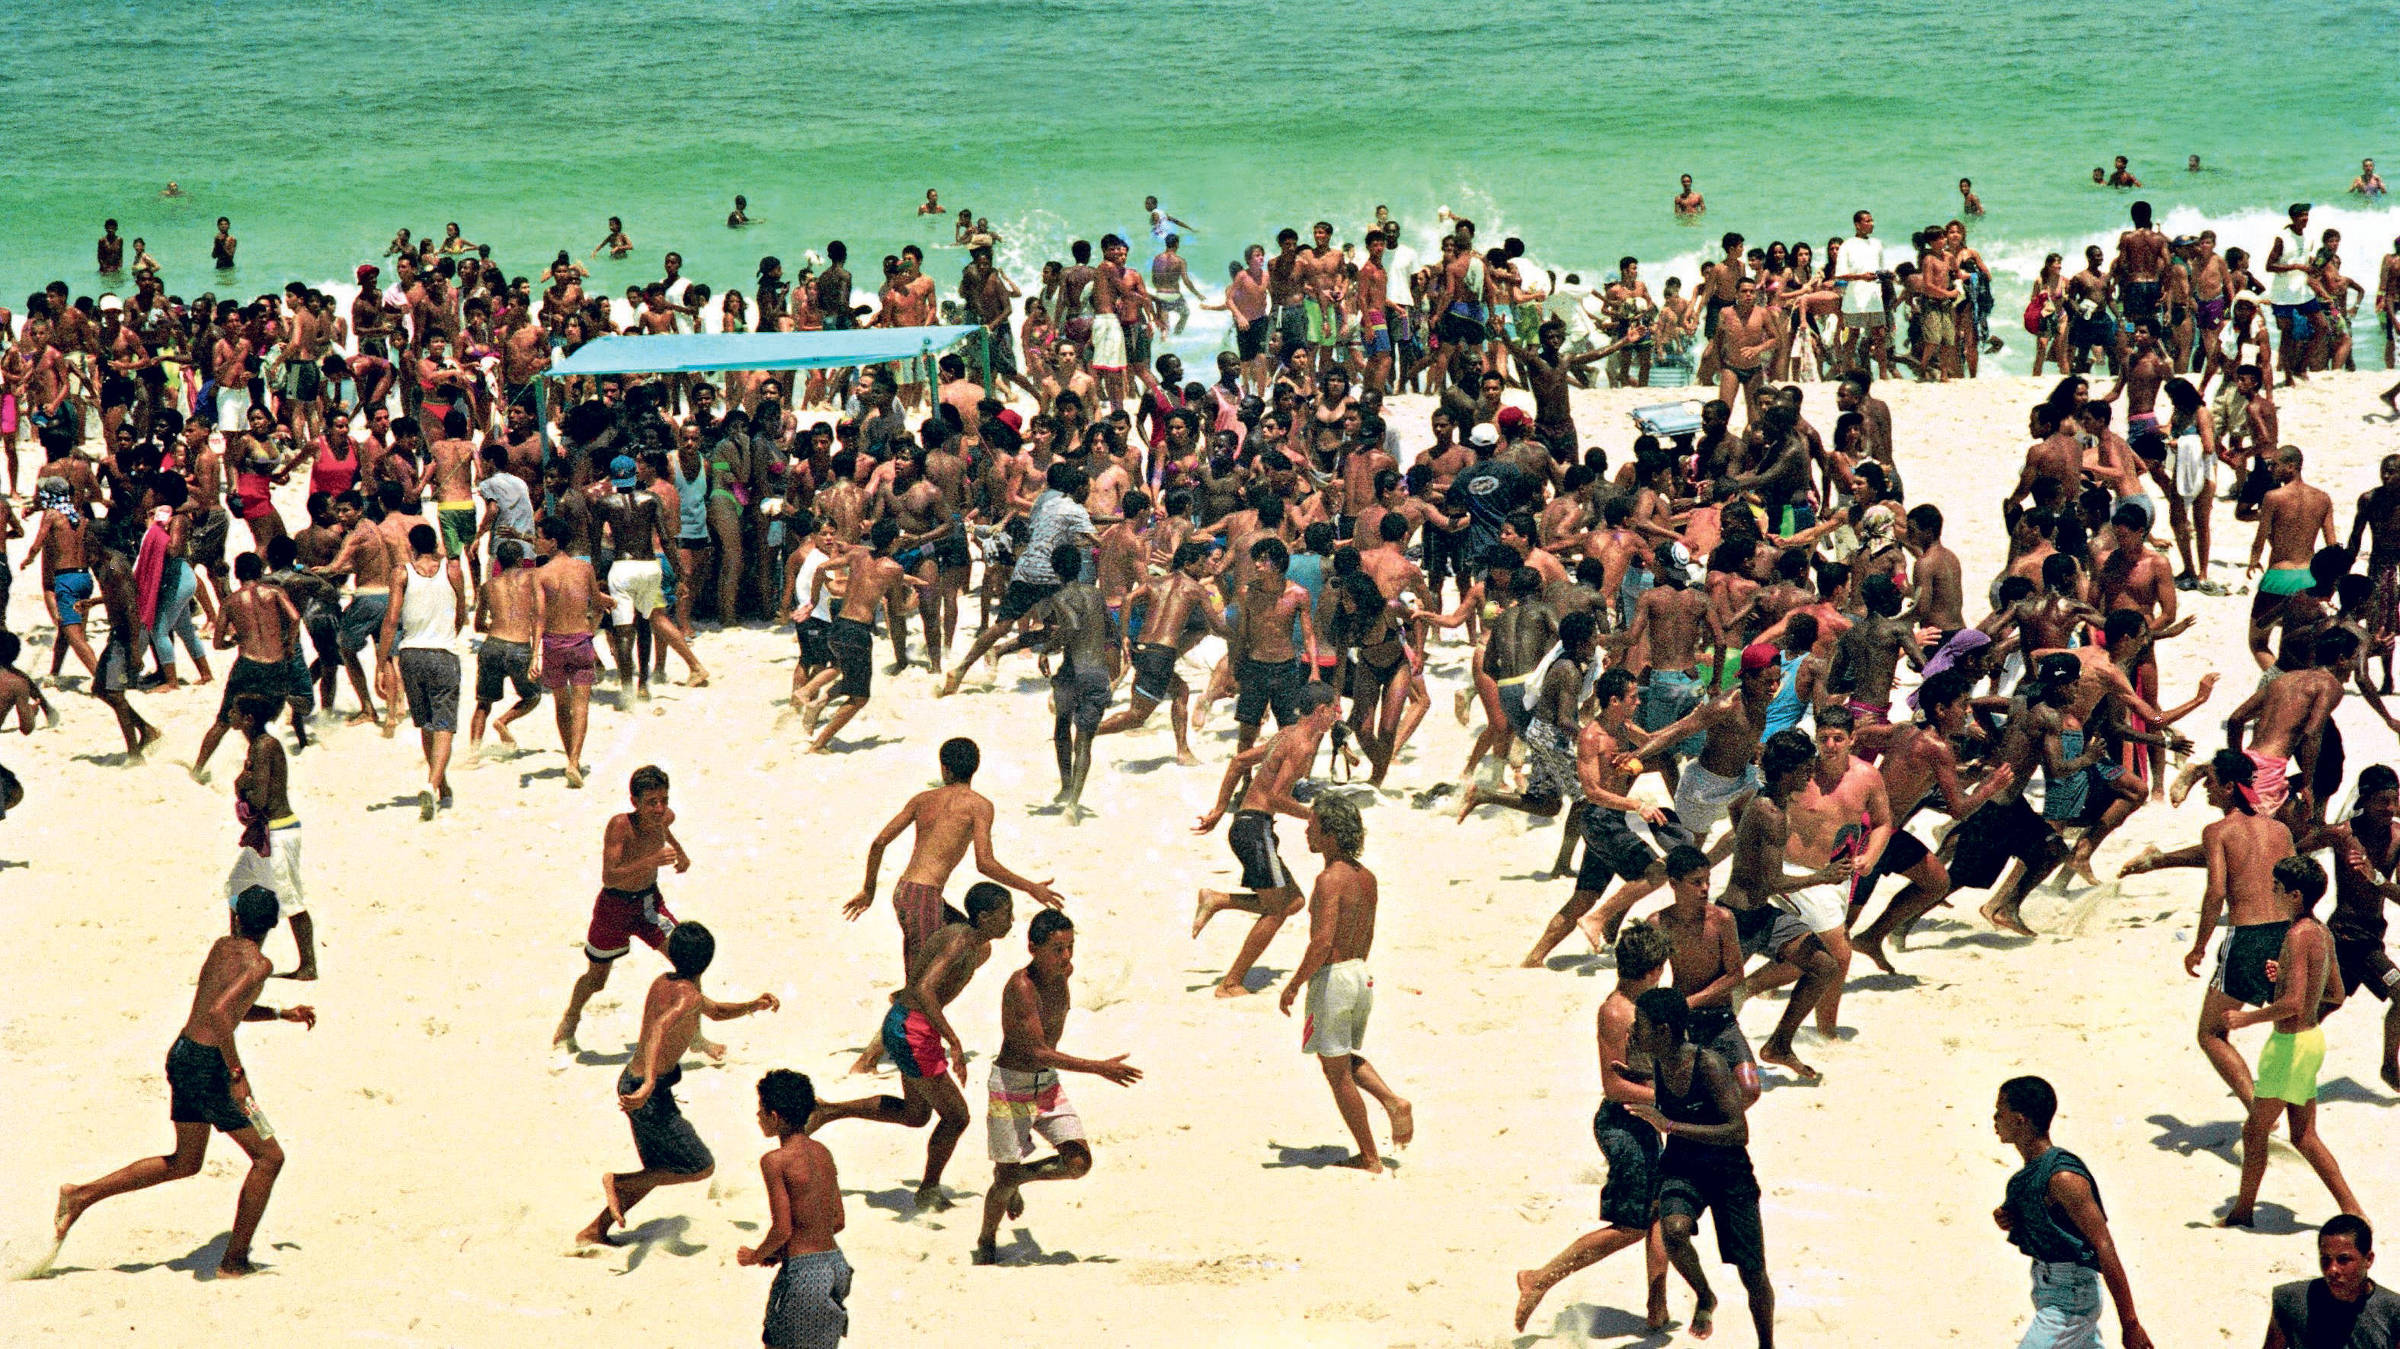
(438, 1169)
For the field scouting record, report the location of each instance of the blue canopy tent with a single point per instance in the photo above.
(688, 353)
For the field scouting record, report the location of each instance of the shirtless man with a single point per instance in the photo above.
(60, 544)
(1843, 796)
(948, 820)
(2291, 521)
(2304, 976)
(2286, 720)
(1264, 774)
(669, 1147)
(1757, 890)
(1550, 721)
(260, 622)
(915, 1030)
(1549, 372)
(368, 558)
(1076, 621)
(633, 847)
(1705, 955)
(1266, 664)
(1672, 625)
(2242, 850)
(1871, 649)
(1920, 768)
(805, 1309)
(1341, 932)
(504, 614)
(869, 574)
(208, 1089)
(635, 521)
(1742, 346)
(1727, 765)
(1173, 602)
(1939, 598)
(1027, 1100)
(568, 607)
(1604, 774)
(1629, 1146)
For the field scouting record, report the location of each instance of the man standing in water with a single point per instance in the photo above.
(2052, 1213)
(670, 1148)
(208, 1089)
(1341, 931)
(1026, 1099)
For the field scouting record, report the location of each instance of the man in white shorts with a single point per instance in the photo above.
(270, 848)
(1341, 930)
(1027, 1102)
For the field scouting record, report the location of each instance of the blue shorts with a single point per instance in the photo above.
(72, 590)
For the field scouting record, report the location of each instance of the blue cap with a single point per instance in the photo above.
(620, 470)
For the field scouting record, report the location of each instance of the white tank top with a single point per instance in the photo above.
(428, 613)
(2290, 287)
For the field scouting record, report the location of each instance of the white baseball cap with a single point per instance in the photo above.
(1484, 434)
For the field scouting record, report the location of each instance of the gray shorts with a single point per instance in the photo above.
(500, 664)
(808, 1306)
(1872, 318)
(1767, 929)
(430, 678)
(1081, 695)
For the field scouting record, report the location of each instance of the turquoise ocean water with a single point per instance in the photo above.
(320, 130)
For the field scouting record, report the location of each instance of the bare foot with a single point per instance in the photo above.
(987, 1253)
(1595, 931)
(1460, 704)
(595, 1233)
(199, 774)
(306, 974)
(1872, 948)
(698, 680)
(575, 776)
(564, 1040)
(1404, 1124)
(1529, 1295)
(930, 1199)
(869, 1061)
(1655, 1315)
(70, 1207)
(388, 725)
(1016, 1205)
(1467, 802)
(2004, 919)
(1373, 1166)
(359, 718)
(2081, 864)
(2145, 860)
(2243, 1218)
(1704, 1319)
(616, 1207)
(1211, 902)
(949, 685)
(1187, 759)
(501, 731)
(230, 1267)
(1783, 1057)
(715, 1052)
(2391, 1076)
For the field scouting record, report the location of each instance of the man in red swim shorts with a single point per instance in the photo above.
(632, 849)
(568, 604)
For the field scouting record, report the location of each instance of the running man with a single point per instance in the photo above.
(1341, 931)
(670, 1148)
(915, 1030)
(1027, 1101)
(208, 1088)
(1264, 774)
(632, 849)
(806, 1308)
(948, 820)
(1705, 1168)
(2289, 1061)
(1629, 1199)
(2243, 850)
